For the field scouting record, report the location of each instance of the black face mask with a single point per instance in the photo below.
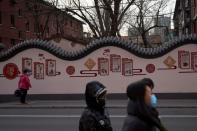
(101, 99)
(101, 102)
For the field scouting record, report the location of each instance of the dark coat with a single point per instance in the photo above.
(93, 120)
(134, 123)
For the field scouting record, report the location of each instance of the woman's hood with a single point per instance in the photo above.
(93, 90)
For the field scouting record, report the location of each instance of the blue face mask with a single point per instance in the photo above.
(153, 101)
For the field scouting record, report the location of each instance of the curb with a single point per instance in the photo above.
(81, 106)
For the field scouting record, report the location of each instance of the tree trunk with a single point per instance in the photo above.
(145, 41)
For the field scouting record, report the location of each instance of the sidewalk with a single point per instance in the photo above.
(81, 104)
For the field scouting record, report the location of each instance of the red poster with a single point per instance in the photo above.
(194, 60)
(127, 67)
(103, 66)
(184, 59)
(26, 63)
(50, 67)
(38, 70)
(115, 63)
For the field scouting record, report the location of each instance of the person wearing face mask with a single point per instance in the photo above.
(24, 85)
(141, 116)
(95, 117)
(149, 82)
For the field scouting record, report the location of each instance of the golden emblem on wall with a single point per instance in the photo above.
(169, 62)
(90, 64)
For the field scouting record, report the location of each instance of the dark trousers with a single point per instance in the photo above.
(23, 95)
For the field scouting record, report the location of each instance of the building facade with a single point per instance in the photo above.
(28, 19)
(194, 16)
(185, 15)
(165, 25)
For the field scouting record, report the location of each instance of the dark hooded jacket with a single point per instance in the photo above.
(141, 117)
(94, 117)
(133, 122)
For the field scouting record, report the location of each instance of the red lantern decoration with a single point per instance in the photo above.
(10, 71)
(150, 68)
(70, 70)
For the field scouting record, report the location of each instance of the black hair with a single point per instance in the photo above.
(26, 71)
(136, 91)
(149, 82)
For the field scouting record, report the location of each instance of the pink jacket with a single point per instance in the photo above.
(24, 82)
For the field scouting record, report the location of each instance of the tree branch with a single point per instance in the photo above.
(99, 16)
(125, 10)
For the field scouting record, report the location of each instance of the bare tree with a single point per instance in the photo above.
(145, 17)
(104, 17)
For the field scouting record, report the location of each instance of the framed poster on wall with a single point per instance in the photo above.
(115, 63)
(127, 67)
(184, 59)
(26, 63)
(38, 70)
(103, 66)
(50, 67)
(194, 60)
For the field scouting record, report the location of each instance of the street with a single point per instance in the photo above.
(65, 119)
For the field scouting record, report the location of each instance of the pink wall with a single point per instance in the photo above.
(166, 80)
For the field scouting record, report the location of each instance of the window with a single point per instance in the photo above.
(66, 22)
(35, 6)
(186, 3)
(0, 17)
(12, 20)
(12, 2)
(19, 12)
(180, 6)
(41, 28)
(35, 28)
(71, 23)
(47, 29)
(19, 34)
(186, 31)
(27, 26)
(13, 41)
(194, 25)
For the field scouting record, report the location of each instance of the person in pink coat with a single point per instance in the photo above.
(24, 84)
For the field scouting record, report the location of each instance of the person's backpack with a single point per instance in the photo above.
(17, 92)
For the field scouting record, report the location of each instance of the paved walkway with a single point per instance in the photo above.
(110, 104)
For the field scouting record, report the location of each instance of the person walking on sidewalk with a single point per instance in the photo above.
(24, 85)
(95, 117)
(141, 116)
